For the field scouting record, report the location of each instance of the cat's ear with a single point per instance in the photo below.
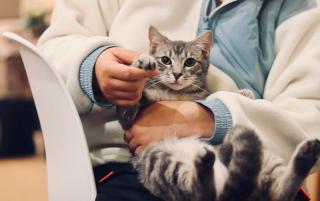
(156, 39)
(204, 42)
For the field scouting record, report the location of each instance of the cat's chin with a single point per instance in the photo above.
(175, 86)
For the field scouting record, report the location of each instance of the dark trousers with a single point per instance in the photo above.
(123, 185)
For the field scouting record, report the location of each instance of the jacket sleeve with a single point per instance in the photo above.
(78, 28)
(290, 109)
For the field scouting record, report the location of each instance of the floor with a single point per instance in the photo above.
(23, 179)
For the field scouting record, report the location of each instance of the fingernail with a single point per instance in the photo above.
(155, 73)
(128, 135)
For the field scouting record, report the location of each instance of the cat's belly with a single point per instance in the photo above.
(162, 95)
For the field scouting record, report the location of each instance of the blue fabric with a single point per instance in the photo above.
(244, 45)
(222, 117)
(244, 36)
(86, 75)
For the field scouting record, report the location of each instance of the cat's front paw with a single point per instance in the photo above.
(145, 62)
(308, 153)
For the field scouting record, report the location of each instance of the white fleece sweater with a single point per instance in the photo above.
(288, 113)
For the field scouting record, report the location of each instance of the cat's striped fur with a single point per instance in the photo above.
(190, 170)
(183, 68)
(240, 170)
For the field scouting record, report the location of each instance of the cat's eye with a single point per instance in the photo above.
(166, 60)
(190, 62)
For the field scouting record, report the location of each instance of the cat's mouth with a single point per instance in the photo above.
(175, 86)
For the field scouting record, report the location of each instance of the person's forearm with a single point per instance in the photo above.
(165, 118)
(199, 120)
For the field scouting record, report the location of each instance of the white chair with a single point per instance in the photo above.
(69, 170)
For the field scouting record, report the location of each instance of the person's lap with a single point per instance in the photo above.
(123, 185)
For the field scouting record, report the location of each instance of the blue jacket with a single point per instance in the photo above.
(244, 36)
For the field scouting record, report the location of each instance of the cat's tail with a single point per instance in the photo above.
(244, 163)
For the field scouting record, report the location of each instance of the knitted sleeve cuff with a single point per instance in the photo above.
(87, 76)
(223, 120)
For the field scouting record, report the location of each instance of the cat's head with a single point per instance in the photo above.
(181, 64)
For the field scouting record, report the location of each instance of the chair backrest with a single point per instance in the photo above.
(69, 170)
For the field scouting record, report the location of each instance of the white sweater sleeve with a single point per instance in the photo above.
(77, 28)
(290, 110)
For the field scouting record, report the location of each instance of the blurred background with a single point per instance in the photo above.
(22, 159)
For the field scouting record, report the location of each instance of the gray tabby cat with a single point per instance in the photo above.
(240, 170)
(183, 70)
(190, 170)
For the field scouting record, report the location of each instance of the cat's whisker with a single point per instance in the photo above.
(153, 84)
(196, 86)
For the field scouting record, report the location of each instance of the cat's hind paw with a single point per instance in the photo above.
(308, 153)
(145, 62)
(204, 162)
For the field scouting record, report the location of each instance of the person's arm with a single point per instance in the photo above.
(77, 30)
(163, 118)
(290, 110)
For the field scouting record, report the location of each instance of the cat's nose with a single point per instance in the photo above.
(177, 75)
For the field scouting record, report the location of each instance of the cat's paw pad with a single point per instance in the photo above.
(247, 93)
(145, 62)
(308, 153)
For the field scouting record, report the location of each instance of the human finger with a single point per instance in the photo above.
(125, 95)
(133, 144)
(125, 103)
(126, 86)
(128, 73)
(127, 136)
(125, 55)
(138, 150)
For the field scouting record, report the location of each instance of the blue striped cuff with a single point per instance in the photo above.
(86, 75)
(223, 120)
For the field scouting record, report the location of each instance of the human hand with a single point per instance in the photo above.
(164, 118)
(120, 84)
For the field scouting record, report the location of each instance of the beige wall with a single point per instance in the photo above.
(29, 5)
(13, 8)
(9, 8)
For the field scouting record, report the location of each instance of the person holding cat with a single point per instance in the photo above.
(269, 47)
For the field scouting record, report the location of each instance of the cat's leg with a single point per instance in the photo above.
(127, 115)
(176, 175)
(244, 164)
(247, 93)
(305, 157)
(203, 184)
